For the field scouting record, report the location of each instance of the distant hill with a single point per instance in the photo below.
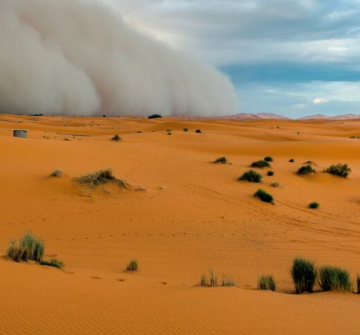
(254, 116)
(337, 117)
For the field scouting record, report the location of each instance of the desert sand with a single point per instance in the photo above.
(193, 216)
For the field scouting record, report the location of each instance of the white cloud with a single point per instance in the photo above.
(318, 101)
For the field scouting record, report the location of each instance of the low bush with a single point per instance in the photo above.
(264, 196)
(251, 176)
(260, 164)
(276, 184)
(270, 173)
(198, 131)
(186, 129)
(341, 170)
(291, 160)
(303, 275)
(306, 169)
(332, 278)
(28, 248)
(132, 265)
(268, 159)
(53, 262)
(222, 160)
(97, 178)
(116, 138)
(56, 174)
(155, 116)
(266, 282)
(314, 205)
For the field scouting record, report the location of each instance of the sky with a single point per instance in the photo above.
(291, 57)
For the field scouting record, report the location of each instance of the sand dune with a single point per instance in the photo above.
(194, 216)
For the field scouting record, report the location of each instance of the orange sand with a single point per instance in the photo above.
(194, 216)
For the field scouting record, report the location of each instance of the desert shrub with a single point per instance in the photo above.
(260, 164)
(97, 178)
(306, 169)
(52, 262)
(116, 138)
(358, 284)
(264, 196)
(314, 205)
(27, 248)
(186, 129)
(270, 173)
(332, 278)
(132, 265)
(155, 116)
(198, 131)
(341, 170)
(203, 280)
(210, 280)
(251, 176)
(276, 184)
(222, 160)
(227, 281)
(266, 282)
(56, 173)
(303, 275)
(291, 160)
(268, 159)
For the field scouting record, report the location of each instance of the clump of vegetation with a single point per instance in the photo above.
(53, 262)
(56, 173)
(99, 178)
(210, 280)
(186, 129)
(306, 169)
(198, 131)
(332, 278)
(270, 173)
(358, 284)
(268, 159)
(341, 170)
(28, 248)
(227, 281)
(155, 116)
(264, 196)
(116, 138)
(276, 184)
(291, 160)
(221, 160)
(303, 274)
(251, 176)
(132, 265)
(266, 282)
(314, 205)
(260, 164)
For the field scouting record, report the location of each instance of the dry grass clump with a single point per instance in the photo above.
(260, 164)
(332, 278)
(227, 281)
(266, 282)
(100, 177)
(209, 280)
(304, 170)
(275, 184)
(116, 138)
(303, 274)
(341, 170)
(28, 248)
(53, 262)
(251, 176)
(56, 174)
(132, 265)
(221, 160)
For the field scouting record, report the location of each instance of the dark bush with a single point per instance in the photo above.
(132, 265)
(116, 138)
(221, 160)
(314, 205)
(268, 159)
(266, 282)
(341, 170)
(291, 160)
(56, 173)
(306, 169)
(198, 131)
(252, 176)
(155, 116)
(260, 164)
(186, 129)
(263, 196)
(331, 278)
(270, 173)
(303, 274)
(358, 284)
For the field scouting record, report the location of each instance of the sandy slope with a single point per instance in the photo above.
(193, 216)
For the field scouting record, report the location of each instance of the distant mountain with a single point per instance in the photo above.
(254, 116)
(315, 117)
(347, 117)
(327, 117)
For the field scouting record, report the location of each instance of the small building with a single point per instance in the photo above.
(20, 133)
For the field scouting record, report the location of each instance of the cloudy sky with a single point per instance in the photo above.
(292, 57)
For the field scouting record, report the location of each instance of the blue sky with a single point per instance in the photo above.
(292, 57)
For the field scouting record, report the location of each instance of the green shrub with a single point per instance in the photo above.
(222, 160)
(210, 280)
(116, 138)
(132, 265)
(266, 282)
(303, 275)
(264, 196)
(27, 248)
(341, 170)
(56, 174)
(306, 169)
(270, 173)
(314, 205)
(251, 176)
(268, 159)
(52, 262)
(358, 284)
(260, 164)
(291, 160)
(332, 278)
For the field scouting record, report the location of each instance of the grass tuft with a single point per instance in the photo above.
(56, 173)
(332, 278)
(341, 170)
(260, 164)
(27, 248)
(132, 265)
(53, 262)
(116, 138)
(314, 205)
(251, 176)
(266, 282)
(227, 281)
(209, 280)
(303, 274)
(304, 170)
(264, 196)
(221, 160)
